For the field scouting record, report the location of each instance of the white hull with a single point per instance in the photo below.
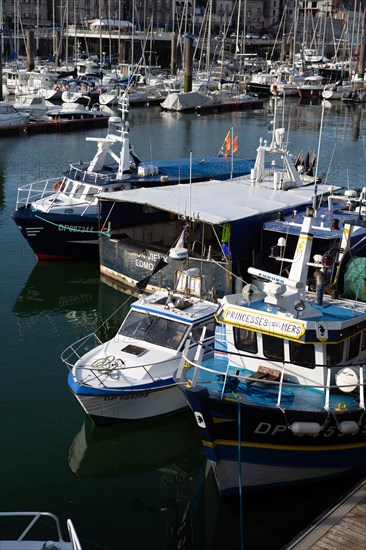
(142, 404)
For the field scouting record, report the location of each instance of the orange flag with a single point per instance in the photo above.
(235, 144)
(227, 144)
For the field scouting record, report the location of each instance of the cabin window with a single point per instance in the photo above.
(302, 354)
(155, 330)
(91, 192)
(197, 331)
(353, 346)
(334, 354)
(273, 347)
(245, 340)
(79, 190)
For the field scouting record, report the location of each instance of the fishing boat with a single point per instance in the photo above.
(339, 209)
(282, 401)
(205, 223)
(39, 523)
(59, 216)
(130, 377)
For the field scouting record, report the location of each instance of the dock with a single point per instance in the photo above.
(54, 125)
(344, 526)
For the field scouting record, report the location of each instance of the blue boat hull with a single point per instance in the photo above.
(271, 455)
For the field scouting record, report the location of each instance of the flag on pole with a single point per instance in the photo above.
(236, 143)
(227, 144)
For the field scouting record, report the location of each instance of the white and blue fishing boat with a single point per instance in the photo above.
(282, 402)
(130, 376)
(59, 216)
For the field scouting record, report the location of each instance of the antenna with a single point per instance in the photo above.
(317, 158)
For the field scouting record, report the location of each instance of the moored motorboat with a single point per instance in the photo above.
(312, 87)
(130, 376)
(282, 402)
(10, 117)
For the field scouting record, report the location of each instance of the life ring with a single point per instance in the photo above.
(57, 185)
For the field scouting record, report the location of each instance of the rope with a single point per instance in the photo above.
(239, 479)
(73, 230)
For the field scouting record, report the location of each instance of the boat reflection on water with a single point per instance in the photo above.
(58, 299)
(73, 293)
(134, 448)
(142, 470)
(59, 287)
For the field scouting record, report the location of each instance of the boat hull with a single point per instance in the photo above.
(106, 406)
(271, 455)
(309, 93)
(58, 237)
(128, 262)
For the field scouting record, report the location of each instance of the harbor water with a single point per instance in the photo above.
(141, 485)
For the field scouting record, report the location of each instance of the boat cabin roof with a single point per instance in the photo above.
(327, 226)
(215, 201)
(175, 306)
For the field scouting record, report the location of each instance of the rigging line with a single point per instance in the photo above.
(238, 277)
(327, 174)
(239, 478)
(318, 156)
(107, 218)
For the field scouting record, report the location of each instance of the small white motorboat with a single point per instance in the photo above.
(130, 377)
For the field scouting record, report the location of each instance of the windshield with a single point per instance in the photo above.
(153, 329)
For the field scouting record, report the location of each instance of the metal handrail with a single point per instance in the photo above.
(74, 539)
(36, 516)
(327, 387)
(34, 193)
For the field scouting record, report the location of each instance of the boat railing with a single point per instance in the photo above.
(75, 351)
(74, 539)
(84, 176)
(110, 365)
(235, 373)
(35, 191)
(36, 517)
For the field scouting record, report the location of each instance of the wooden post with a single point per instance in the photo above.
(188, 70)
(30, 49)
(173, 54)
(361, 60)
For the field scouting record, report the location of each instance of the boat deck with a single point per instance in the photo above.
(225, 381)
(342, 527)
